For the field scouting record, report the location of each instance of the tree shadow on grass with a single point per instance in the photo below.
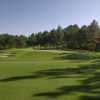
(56, 73)
(77, 56)
(16, 78)
(49, 94)
(89, 86)
(67, 90)
(90, 81)
(90, 98)
(59, 72)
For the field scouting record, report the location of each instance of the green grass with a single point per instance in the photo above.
(27, 74)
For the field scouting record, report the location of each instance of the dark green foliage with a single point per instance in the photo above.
(10, 41)
(71, 37)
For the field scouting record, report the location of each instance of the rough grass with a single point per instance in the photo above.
(29, 74)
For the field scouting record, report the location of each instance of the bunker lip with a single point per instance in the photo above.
(6, 55)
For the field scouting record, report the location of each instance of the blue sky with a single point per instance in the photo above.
(27, 16)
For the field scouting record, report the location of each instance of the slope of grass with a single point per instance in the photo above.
(27, 74)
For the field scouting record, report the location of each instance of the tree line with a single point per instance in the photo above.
(71, 37)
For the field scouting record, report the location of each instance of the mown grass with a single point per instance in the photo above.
(49, 75)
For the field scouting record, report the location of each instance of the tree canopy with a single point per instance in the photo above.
(71, 37)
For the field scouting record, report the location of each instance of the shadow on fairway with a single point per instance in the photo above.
(57, 73)
(89, 86)
(88, 75)
(90, 98)
(77, 56)
(16, 78)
